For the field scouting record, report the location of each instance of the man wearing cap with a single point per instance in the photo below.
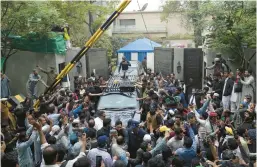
(216, 100)
(51, 75)
(218, 66)
(32, 84)
(162, 131)
(100, 151)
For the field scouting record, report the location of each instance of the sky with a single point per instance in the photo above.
(153, 5)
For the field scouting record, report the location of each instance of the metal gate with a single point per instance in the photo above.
(193, 66)
(163, 60)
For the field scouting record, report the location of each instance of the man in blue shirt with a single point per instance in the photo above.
(247, 100)
(189, 151)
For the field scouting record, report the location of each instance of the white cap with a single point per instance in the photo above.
(217, 59)
(55, 128)
(171, 112)
(216, 94)
(76, 121)
(46, 128)
(147, 138)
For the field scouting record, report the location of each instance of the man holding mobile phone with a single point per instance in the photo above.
(95, 153)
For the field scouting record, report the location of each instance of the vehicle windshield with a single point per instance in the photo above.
(117, 101)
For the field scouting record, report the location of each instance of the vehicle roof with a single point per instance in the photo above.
(116, 81)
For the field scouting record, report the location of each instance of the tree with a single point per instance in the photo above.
(117, 43)
(83, 17)
(233, 25)
(21, 18)
(193, 16)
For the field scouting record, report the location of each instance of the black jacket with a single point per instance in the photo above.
(124, 65)
(139, 158)
(228, 88)
(217, 87)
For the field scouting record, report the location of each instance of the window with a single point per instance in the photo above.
(127, 22)
(117, 101)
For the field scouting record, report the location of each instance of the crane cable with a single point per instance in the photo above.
(144, 22)
(86, 47)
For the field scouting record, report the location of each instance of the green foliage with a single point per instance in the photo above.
(193, 15)
(117, 43)
(233, 25)
(180, 36)
(83, 17)
(23, 17)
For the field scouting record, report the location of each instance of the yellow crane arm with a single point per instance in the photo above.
(85, 48)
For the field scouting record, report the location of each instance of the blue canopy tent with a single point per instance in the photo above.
(137, 50)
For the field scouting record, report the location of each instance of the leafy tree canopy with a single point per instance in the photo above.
(231, 24)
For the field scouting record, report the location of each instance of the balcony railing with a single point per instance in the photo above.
(135, 29)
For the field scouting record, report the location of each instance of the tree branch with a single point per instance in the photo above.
(239, 43)
(89, 27)
(6, 9)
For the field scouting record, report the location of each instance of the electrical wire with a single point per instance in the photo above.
(144, 23)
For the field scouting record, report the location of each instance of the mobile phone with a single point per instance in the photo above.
(98, 161)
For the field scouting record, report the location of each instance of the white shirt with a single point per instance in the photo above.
(192, 99)
(98, 123)
(224, 86)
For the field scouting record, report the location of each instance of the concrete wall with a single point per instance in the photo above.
(179, 57)
(150, 60)
(70, 54)
(188, 43)
(21, 64)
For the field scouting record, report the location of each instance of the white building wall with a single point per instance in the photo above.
(150, 60)
(134, 56)
(120, 55)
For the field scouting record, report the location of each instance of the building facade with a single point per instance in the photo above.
(149, 24)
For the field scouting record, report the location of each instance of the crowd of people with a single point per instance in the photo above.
(178, 127)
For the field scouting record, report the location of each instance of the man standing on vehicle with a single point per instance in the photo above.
(144, 64)
(124, 66)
